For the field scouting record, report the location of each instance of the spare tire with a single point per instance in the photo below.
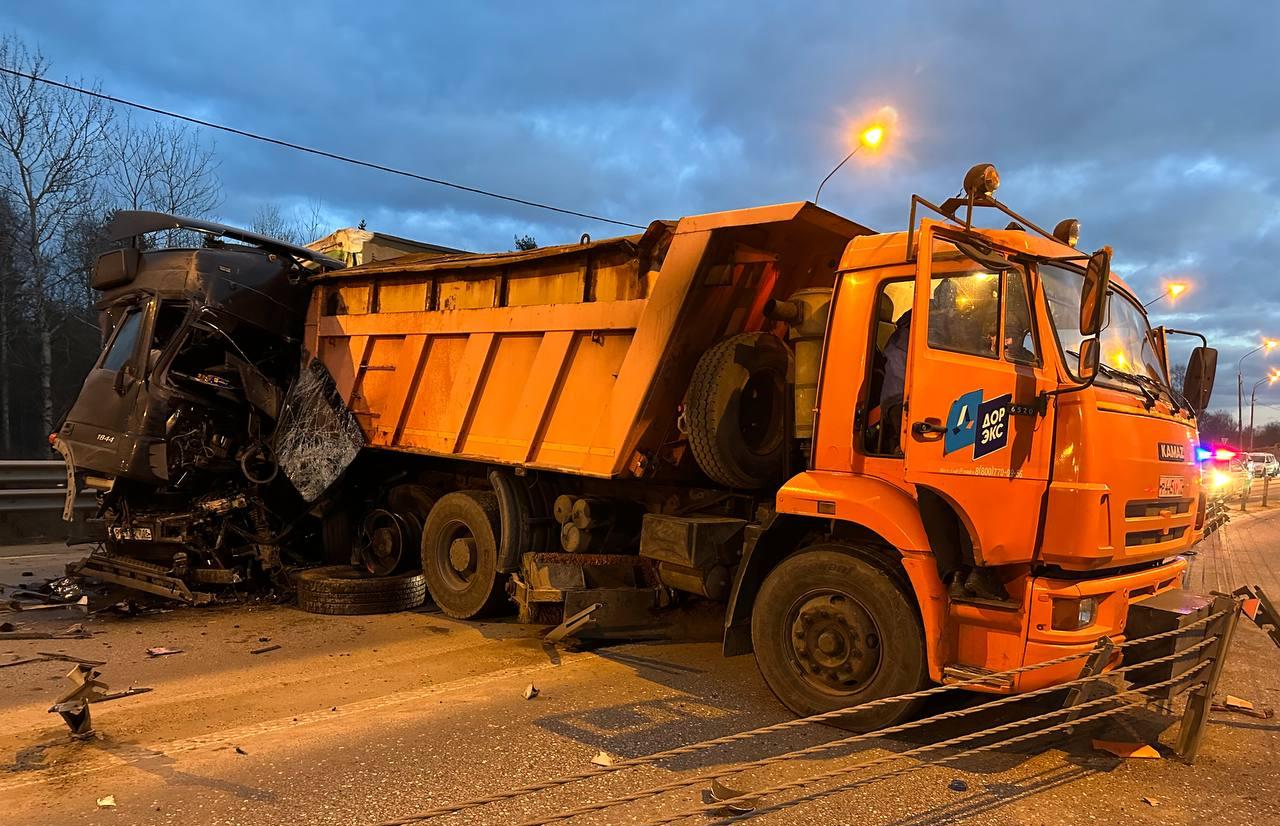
(735, 410)
(343, 589)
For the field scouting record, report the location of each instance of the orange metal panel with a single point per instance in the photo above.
(426, 416)
(581, 404)
(462, 399)
(387, 429)
(531, 414)
(491, 430)
(343, 357)
(376, 381)
(603, 315)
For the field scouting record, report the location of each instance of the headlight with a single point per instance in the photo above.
(1074, 614)
(1218, 479)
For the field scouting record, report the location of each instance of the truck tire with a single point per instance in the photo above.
(460, 554)
(343, 589)
(735, 410)
(831, 630)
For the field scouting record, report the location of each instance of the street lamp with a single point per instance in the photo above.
(870, 137)
(1272, 378)
(1267, 344)
(1171, 292)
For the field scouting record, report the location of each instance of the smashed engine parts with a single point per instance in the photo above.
(204, 439)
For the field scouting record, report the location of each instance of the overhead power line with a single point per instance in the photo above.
(311, 150)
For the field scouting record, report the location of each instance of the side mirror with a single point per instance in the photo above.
(1093, 295)
(1202, 368)
(1090, 359)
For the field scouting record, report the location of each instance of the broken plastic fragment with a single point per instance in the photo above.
(108, 802)
(1126, 750)
(530, 691)
(736, 802)
(958, 785)
(161, 652)
(1151, 801)
(603, 758)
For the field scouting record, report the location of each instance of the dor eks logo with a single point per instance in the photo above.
(983, 424)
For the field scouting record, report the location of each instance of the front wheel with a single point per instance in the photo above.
(831, 630)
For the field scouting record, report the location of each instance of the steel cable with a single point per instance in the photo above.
(847, 741)
(710, 808)
(633, 762)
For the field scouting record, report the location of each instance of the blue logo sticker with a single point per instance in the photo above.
(982, 424)
(961, 421)
(993, 425)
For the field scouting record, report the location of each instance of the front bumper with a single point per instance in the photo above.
(1115, 595)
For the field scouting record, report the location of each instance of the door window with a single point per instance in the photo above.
(964, 313)
(125, 341)
(1019, 331)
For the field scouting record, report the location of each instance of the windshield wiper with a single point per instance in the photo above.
(1160, 388)
(1108, 370)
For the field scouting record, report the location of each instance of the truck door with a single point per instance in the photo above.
(971, 427)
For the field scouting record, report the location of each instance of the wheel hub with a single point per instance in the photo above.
(835, 642)
(462, 555)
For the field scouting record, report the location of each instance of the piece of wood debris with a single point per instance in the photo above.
(530, 691)
(265, 649)
(1234, 702)
(162, 652)
(1127, 750)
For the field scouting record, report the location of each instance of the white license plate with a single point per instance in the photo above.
(1171, 485)
(143, 534)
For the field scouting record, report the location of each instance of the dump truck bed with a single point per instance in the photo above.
(572, 358)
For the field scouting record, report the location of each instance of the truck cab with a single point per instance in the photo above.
(996, 435)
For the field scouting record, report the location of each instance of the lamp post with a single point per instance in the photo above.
(1171, 292)
(1253, 398)
(1267, 344)
(870, 137)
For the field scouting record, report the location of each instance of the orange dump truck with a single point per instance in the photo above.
(901, 458)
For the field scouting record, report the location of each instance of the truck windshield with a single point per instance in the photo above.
(1127, 351)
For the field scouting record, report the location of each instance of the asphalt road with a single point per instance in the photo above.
(359, 720)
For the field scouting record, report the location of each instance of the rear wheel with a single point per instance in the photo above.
(460, 554)
(831, 630)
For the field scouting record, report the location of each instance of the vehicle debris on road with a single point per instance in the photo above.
(265, 649)
(531, 691)
(162, 652)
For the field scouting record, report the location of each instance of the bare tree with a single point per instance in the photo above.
(51, 142)
(163, 167)
(10, 295)
(269, 220)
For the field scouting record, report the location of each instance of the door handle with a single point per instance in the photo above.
(929, 430)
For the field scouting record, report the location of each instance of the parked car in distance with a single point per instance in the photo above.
(1225, 473)
(1263, 465)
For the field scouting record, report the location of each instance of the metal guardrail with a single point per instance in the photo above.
(32, 495)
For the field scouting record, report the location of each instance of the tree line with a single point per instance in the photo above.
(68, 162)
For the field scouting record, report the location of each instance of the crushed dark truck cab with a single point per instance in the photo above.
(898, 458)
(177, 426)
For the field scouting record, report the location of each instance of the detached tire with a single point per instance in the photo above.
(831, 630)
(345, 590)
(460, 554)
(735, 412)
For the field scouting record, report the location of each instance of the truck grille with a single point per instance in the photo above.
(1154, 537)
(1152, 507)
